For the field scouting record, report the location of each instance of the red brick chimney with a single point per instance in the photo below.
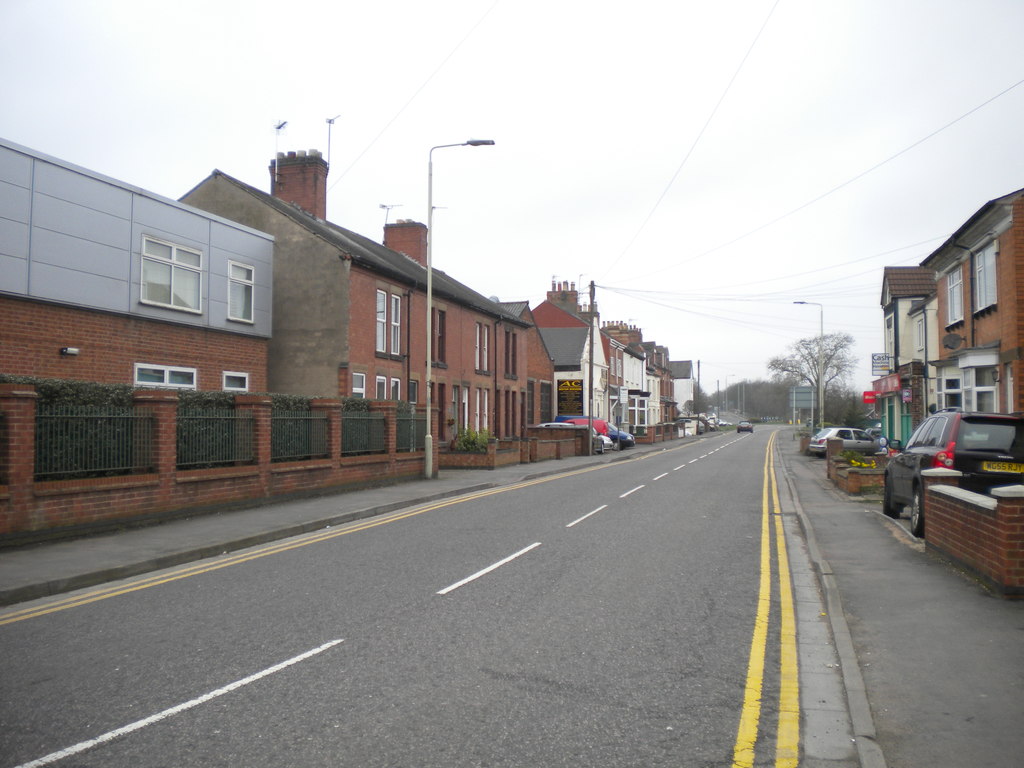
(408, 237)
(301, 178)
(564, 296)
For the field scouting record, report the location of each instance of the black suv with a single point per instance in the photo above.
(988, 448)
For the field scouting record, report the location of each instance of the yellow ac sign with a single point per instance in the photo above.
(570, 385)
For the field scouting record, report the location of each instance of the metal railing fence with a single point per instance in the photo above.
(92, 441)
(410, 433)
(214, 438)
(297, 435)
(362, 432)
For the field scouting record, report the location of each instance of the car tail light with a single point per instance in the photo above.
(944, 458)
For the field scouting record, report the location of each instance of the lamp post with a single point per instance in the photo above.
(428, 439)
(821, 361)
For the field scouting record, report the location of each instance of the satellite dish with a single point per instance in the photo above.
(495, 299)
(952, 340)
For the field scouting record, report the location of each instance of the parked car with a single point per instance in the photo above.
(744, 426)
(622, 438)
(988, 448)
(853, 440)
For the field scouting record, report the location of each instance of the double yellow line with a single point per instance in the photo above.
(787, 735)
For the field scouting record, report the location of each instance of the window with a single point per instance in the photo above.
(240, 291)
(171, 275)
(985, 278)
(396, 389)
(382, 387)
(951, 393)
(985, 389)
(954, 297)
(164, 376)
(919, 335)
(389, 329)
(511, 353)
(382, 321)
(235, 382)
(358, 385)
(483, 337)
(414, 391)
(396, 325)
(437, 350)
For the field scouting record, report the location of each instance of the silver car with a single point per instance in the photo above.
(853, 440)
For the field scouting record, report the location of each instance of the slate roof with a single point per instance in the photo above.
(681, 369)
(565, 345)
(372, 255)
(905, 282)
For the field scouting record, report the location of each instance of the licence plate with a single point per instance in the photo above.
(1002, 466)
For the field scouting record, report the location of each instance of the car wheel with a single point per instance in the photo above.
(917, 515)
(889, 509)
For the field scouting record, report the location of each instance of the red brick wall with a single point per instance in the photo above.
(988, 541)
(33, 334)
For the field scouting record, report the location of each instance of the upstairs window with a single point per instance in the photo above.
(438, 353)
(483, 336)
(382, 321)
(171, 275)
(985, 278)
(240, 291)
(954, 297)
(389, 323)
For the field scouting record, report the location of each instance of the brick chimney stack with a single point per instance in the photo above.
(408, 237)
(564, 296)
(301, 178)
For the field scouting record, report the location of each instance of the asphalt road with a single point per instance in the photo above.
(603, 617)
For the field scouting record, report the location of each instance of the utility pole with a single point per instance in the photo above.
(590, 375)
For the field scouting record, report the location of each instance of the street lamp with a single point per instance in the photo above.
(428, 439)
(821, 362)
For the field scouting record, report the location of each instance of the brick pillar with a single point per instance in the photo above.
(17, 456)
(1010, 523)
(332, 407)
(390, 410)
(163, 404)
(260, 407)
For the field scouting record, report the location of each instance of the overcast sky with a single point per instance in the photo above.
(705, 164)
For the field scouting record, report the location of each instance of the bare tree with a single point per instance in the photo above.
(801, 365)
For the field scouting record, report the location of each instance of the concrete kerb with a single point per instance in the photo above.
(869, 752)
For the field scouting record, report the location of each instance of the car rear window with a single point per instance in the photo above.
(979, 435)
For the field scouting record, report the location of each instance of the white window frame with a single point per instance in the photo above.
(483, 338)
(985, 277)
(381, 389)
(396, 389)
(242, 283)
(954, 296)
(177, 267)
(168, 371)
(358, 384)
(239, 374)
(396, 324)
(919, 335)
(413, 391)
(382, 321)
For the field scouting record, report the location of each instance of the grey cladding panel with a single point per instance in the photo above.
(88, 192)
(56, 284)
(15, 168)
(78, 221)
(176, 224)
(77, 255)
(13, 275)
(15, 202)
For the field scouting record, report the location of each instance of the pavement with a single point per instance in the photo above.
(931, 662)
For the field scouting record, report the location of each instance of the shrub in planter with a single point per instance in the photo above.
(471, 441)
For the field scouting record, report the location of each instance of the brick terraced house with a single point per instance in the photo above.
(350, 313)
